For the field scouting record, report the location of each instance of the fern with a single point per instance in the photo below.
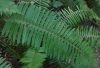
(35, 27)
(91, 32)
(33, 59)
(3, 63)
(7, 7)
(73, 17)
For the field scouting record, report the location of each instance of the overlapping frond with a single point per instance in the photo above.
(91, 35)
(33, 59)
(7, 7)
(73, 18)
(87, 32)
(3, 63)
(35, 27)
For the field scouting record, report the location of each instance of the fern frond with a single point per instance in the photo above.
(74, 17)
(35, 27)
(87, 32)
(7, 7)
(33, 59)
(91, 34)
(4, 64)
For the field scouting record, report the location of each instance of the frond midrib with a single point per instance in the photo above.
(50, 33)
(32, 61)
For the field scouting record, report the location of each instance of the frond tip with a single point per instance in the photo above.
(33, 59)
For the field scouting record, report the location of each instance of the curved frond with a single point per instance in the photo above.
(4, 64)
(33, 59)
(7, 7)
(73, 18)
(35, 27)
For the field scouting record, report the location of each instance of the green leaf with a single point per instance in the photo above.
(33, 59)
(8, 7)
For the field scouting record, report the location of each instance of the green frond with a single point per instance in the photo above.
(33, 59)
(73, 18)
(7, 7)
(87, 32)
(35, 27)
(91, 34)
(3, 63)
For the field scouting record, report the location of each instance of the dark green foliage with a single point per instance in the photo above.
(95, 5)
(14, 50)
(98, 1)
(54, 63)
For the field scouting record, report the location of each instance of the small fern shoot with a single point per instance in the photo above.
(33, 59)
